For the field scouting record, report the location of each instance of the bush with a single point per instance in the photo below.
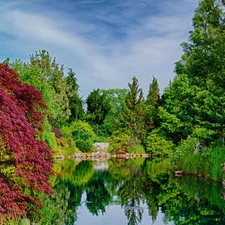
(66, 146)
(119, 138)
(48, 135)
(158, 146)
(104, 130)
(80, 126)
(82, 133)
(84, 146)
(185, 148)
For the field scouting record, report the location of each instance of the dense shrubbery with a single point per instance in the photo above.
(82, 133)
(158, 146)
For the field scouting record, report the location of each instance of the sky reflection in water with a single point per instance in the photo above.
(137, 191)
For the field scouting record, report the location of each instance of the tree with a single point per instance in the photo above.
(116, 98)
(203, 63)
(75, 101)
(132, 114)
(53, 73)
(31, 76)
(178, 114)
(97, 107)
(152, 104)
(204, 54)
(153, 92)
(21, 120)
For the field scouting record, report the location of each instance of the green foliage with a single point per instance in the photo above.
(119, 138)
(56, 209)
(153, 93)
(206, 163)
(116, 98)
(104, 130)
(151, 114)
(98, 107)
(216, 159)
(101, 139)
(158, 145)
(203, 64)
(75, 101)
(66, 146)
(82, 134)
(84, 145)
(81, 126)
(53, 74)
(48, 136)
(184, 148)
(132, 111)
(31, 75)
(178, 113)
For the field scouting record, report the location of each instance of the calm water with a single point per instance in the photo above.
(128, 192)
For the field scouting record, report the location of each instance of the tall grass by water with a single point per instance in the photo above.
(206, 163)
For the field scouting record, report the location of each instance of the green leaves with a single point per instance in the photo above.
(132, 111)
(158, 146)
(98, 106)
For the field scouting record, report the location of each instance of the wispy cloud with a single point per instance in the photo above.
(105, 42)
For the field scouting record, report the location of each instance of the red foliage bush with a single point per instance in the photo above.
(21, 119)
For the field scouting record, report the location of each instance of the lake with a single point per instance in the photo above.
(129, 192)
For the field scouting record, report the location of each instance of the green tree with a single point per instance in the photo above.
(116, 98)
(153, 92)
(53, 73)
(203, 63)
(31, 75)
(75, 101)
(98, 107)
(132, 113)
(82, 134)
(151, 117)
(178, 114)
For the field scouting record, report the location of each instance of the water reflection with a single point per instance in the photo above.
(133, 191)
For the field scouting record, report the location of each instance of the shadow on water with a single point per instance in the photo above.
(133, 191)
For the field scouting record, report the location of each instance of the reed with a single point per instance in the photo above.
(206, 163)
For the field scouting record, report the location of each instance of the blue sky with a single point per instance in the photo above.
(106, 42)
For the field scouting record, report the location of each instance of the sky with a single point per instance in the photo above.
(106, 42)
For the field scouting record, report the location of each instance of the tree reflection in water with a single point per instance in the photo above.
(136, 187)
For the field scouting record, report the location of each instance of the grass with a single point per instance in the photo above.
(206, 163)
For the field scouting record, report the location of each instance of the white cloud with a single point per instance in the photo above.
(149, 48)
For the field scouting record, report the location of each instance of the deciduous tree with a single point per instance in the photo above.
(21, 120)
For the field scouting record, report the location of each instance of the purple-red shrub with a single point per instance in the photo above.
(21, 119)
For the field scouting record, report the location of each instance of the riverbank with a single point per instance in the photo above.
(101, 155)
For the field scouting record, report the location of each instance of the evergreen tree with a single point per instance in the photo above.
(75, 101)
(152, 102)
(132, 114)
(153, 93)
